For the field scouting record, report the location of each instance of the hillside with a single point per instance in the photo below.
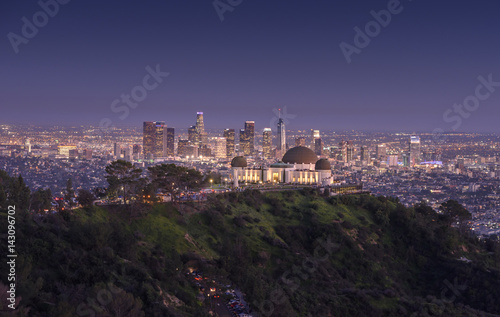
(293, 253)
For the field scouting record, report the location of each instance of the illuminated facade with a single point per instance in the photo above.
(154, 139)
(299, 166)
(415, 156)
(229, 135)
(267, 142)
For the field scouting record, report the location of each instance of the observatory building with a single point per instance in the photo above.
(299, 165)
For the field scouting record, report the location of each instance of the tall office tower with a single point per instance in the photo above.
(116, 150)
(281, 136)
(415, 156)
(267, 142)
(406, 159)
(318, 146)
(381, 152)
(349, 152)
(219, 147)
(314, 135)
(229, 135)
(203, 138)
(243, 142)
(154, 139)
(365, 154)
(343, 150)
(170, 142)
(193, 135)
(200, 125)
(250, 134)
(300, 141)
(27, 145)
(200, 129)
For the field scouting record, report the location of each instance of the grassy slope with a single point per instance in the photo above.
(378, 269)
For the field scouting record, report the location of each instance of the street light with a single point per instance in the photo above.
(211, 181)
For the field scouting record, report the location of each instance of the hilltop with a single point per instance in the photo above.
(292, 253)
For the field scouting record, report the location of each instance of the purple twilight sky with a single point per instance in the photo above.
(247, 57)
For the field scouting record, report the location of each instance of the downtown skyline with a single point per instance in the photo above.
(405, 79)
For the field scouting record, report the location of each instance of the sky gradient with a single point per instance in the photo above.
(263, 55)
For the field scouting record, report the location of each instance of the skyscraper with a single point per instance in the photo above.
(343, 150)
(200, 129)
(281, 136)
(365, 154)
(229, 135)
(154, 139)
(219, 147)
(200, 125)
(247, 138)
(318, 146)
(243, 142)
(193, 136)
(267, 142)
(250, 133)
(170, 141)
(415, 156)
(350, 152)
(381, 152)
(314, 135)
(116, 150)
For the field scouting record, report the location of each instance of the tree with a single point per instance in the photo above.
(19, 193)
(3, 197)
(214, 176)
(69, 193)
(41, 200)
(122, 177)
(85, 197)
(165, 177)
(454, 212)
(170, 178)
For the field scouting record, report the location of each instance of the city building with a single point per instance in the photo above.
(365, 154)
(281, 136)
(186, 148)
(247, 138)
(314, 135)
(267, 142)
(63, 150)
(349, 152)
(381, 152)
(116, 150)
(415, 156)
(170, 142)
(219, 147)
(301, 141)
(193, 136)
(229, 135)
(299, 166)
(392, 160)
(318, 146)
(154, 139)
